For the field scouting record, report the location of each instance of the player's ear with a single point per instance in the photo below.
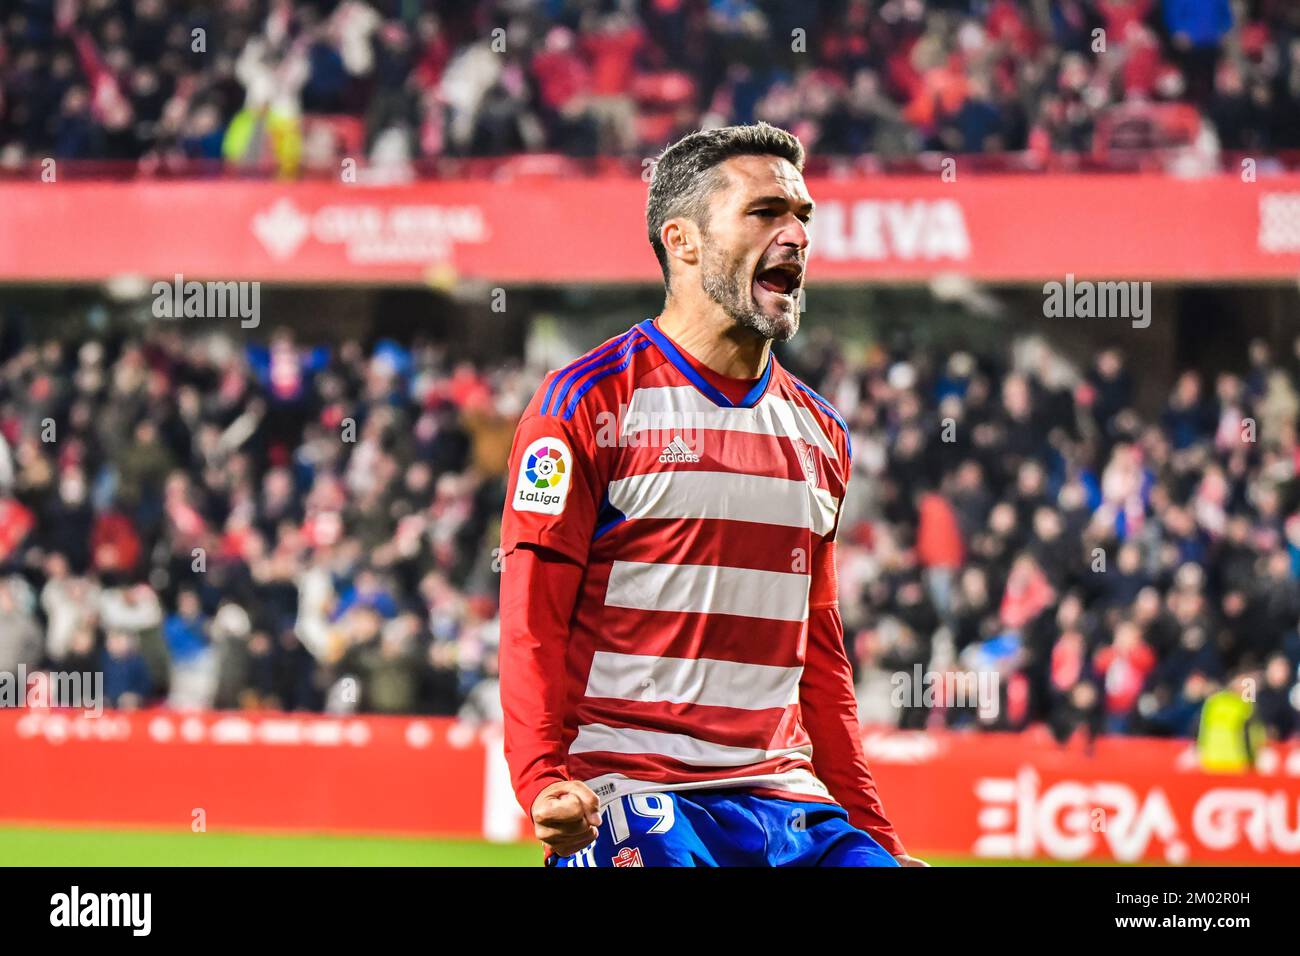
(680, 237)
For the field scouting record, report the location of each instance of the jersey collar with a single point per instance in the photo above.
(679, 361)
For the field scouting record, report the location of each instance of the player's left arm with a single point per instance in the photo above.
(830, 711)
(828, 701)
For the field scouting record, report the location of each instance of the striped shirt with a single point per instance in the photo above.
(704, 531)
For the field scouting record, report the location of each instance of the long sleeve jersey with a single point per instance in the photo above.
(670, 618)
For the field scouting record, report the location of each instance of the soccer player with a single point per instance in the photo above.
(673, 674)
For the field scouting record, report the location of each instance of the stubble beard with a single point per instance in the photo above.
(727, 288)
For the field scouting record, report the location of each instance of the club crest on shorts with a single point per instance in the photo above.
(544, 477)
(628, 856)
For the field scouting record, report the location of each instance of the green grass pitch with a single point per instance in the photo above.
(33, 846)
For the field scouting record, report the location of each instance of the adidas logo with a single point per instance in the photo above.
(677, 450)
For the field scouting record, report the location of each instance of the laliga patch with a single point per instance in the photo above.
(544, 477)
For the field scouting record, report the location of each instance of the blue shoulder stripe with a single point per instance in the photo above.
(829, 409)
(574, 370)
(630, 348)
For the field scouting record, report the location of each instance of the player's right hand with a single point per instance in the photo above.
(566, 816)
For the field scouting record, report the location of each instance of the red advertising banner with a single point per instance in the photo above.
(1023, 796)
(995, 796)
(1001, 228)
(269, 771)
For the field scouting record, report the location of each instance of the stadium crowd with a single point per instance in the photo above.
(296, 85)
(263, 526)
(1022, 519)
(296, 526)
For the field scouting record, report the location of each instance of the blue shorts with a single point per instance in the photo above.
(725, 828)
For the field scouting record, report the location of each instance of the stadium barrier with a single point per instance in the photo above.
(1012, 228)
(988, 795)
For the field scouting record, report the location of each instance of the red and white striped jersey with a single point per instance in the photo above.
(703, 525)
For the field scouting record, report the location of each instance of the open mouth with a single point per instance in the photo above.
(784, 279)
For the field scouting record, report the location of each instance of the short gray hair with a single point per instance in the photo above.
(686, 175)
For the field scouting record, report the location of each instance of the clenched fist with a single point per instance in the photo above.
(565, 816)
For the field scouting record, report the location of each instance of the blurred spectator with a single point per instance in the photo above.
(20, 632)
(1230, 734)
(192, 670)
(127, 683)
(68, 603)
(1122, 669)
(1276, 704)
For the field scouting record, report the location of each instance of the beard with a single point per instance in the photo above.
(730, 286)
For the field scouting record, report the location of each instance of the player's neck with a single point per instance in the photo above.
(714, 340)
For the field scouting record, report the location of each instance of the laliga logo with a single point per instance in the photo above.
(545, 468)
(1018, 820)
